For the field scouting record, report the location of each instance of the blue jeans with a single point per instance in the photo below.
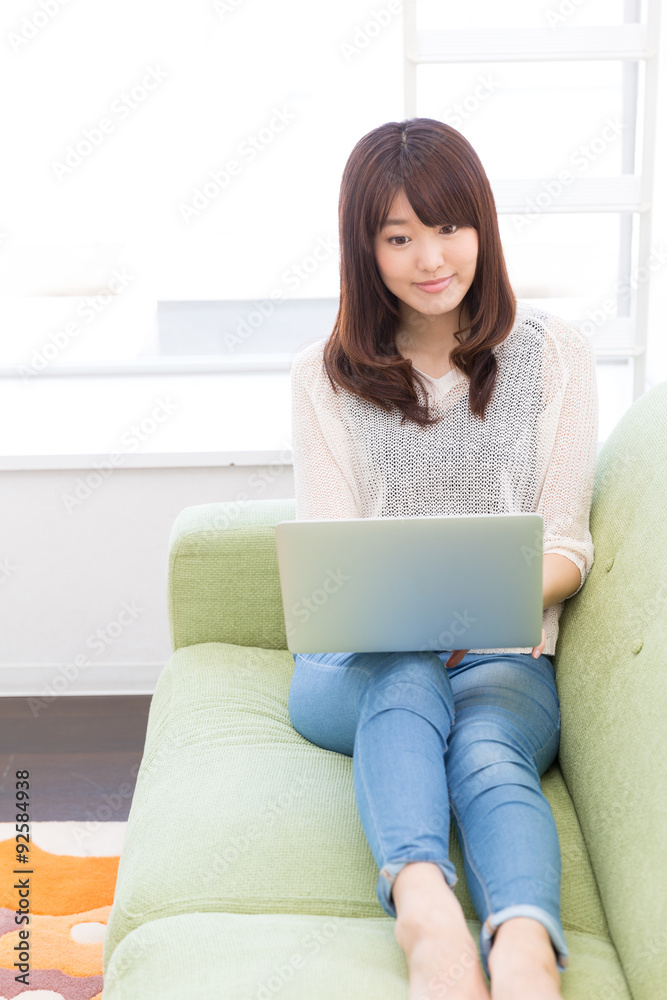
(495, 720)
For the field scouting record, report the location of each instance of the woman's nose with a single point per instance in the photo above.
(431, 257)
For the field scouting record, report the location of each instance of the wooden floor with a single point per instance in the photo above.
(82, 753)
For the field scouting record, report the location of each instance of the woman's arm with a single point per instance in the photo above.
(567, 492)
(321, 488)
(561, 578)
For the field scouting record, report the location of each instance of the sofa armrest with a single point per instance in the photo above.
(223, 582)
(612, 685)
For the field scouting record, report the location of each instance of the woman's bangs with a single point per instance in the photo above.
(438, 202)
(380, 206)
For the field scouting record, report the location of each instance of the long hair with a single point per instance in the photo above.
(444, 181)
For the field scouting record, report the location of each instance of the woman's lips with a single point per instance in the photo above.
(435, 286)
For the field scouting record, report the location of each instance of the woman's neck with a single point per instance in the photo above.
(428, 346)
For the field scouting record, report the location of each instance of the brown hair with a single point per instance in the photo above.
(444, 182)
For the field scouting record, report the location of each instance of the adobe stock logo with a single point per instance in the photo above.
(32, 25)
(6, 569)
(446, 639)
(365, 33)
(534, 551)
(308, 605)
(96, 135)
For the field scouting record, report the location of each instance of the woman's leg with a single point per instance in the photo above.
(393, 713)
(505, 735)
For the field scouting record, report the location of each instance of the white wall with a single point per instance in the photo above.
(70, 574)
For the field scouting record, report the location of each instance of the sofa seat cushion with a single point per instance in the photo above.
(236, 812)
(207, 956)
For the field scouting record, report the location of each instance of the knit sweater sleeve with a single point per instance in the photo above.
(321, 487)
(566, 495)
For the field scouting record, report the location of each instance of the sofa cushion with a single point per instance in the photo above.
(223, 574)
(234, 811)
(611, 674)
(300, 957)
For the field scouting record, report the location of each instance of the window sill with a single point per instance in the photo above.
(145, 421)
(149, 421)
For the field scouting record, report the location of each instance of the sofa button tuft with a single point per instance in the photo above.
(610, 564)
(637, 648)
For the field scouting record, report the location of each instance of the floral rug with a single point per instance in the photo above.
(66, 889)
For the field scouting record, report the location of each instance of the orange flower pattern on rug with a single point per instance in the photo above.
(61, 883)
(70, 902)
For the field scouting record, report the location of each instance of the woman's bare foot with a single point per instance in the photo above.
(432, 931)
(522, 962)
(443, 963)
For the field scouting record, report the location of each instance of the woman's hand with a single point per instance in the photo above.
(458, 654)
(538, 650)
(456, 657)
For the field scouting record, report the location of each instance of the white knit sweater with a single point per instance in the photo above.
(535, 451)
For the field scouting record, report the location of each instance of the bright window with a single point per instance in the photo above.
(191, 156)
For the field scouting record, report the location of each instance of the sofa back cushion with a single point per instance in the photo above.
(611, 672)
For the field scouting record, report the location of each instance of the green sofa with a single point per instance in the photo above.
(245, 873)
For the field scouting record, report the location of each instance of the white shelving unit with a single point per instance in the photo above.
(635, 42)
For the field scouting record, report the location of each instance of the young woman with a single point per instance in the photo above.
(438, 393)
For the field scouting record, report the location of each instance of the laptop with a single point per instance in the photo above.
(379, 584)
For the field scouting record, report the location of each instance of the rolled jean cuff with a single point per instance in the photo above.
(388, 874)
(494, 920)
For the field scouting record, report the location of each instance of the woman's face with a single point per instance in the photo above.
(408, 253)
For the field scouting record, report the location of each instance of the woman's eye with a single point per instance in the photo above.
(451, 226)
(392, 238)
